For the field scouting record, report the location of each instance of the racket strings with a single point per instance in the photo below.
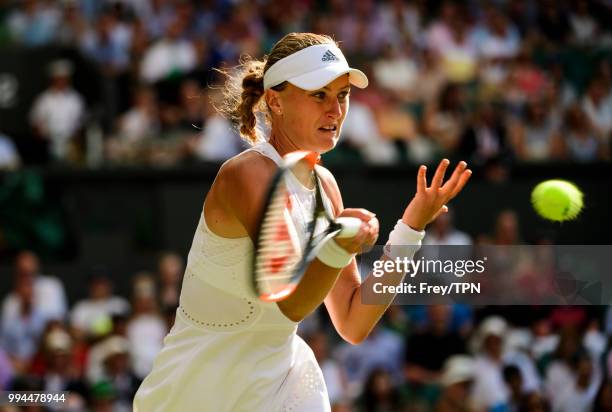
(279, 249)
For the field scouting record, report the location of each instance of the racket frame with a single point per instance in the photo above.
(311, 246)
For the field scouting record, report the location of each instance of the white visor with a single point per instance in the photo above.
(312, 68)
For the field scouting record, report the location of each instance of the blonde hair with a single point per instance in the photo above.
(243, 87)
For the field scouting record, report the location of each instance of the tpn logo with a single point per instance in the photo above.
(329, 57)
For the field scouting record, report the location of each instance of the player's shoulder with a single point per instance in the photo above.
(246, 169)
(327, 177)
(330, 186)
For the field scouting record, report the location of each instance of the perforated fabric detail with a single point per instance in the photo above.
(310, 384)
(209, 247)
(217, 289)
(213, 309)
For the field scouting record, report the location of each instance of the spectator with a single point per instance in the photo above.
(431, 78)
(60, 373)
(446, 120)
(514, 383)
(583, 24)
(428, 349)
(526, 82)
(103, 397)
(169, 272)
(382, 349)
(157, 15)
(581, 142)
(534, 402)
(396, 70)
(363, 32)
(594, 340)
(134, 128)
(443, 232)
(6, 370)
(395, 123)
(361, 131)
(34, 23)
(73, 24)
(49, 295)
(562, 92)
(490, 392)
(575, 388)
(553, 23)
(109, 44)
(9, 157)
(544, 340)
(457, 380)
(88, 314)
(496, 38)
(191, 108)
(146, 329)
(597, 104)
(171, 56)
(450, 38)
(507, 230)
(560, 373)
(518, 354)
(184, 117)
(22, 325)
(116, 370)
(485, 141)
(58, 113)
(142, 120)
(537, 138)
(603, 400)
(380, 394)
(407, 18)
(73, 357)
(218, 140)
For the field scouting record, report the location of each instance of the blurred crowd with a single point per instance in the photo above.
(442, 358)
(492, 82)
(98, 349)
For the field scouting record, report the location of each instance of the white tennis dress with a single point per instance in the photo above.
(228, 351)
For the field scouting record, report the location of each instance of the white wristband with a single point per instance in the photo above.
(333, 255)
(403, 241)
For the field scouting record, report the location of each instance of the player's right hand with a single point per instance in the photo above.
(366, 236)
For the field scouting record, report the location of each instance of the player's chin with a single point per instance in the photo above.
(326, 141)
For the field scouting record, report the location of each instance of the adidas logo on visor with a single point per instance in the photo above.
(329, 57)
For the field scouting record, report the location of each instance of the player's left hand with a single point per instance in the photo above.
(429, 202)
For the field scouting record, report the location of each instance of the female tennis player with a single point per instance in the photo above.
(228, 350)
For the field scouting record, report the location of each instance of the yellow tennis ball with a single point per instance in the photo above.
(557, 200)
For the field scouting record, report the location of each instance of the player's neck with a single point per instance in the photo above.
(283, 144)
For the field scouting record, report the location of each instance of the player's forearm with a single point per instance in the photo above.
(362, 316)
(318, 280)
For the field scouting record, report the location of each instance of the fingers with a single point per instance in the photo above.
(422, 179)
(454, 179)
(364, 239)
(370, 235)
(362, 214)
(465, 176)
(436, 182)
(374, 227)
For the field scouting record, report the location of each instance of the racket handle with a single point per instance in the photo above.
(350, 226)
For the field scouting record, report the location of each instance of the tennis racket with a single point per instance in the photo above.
(285, 246)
